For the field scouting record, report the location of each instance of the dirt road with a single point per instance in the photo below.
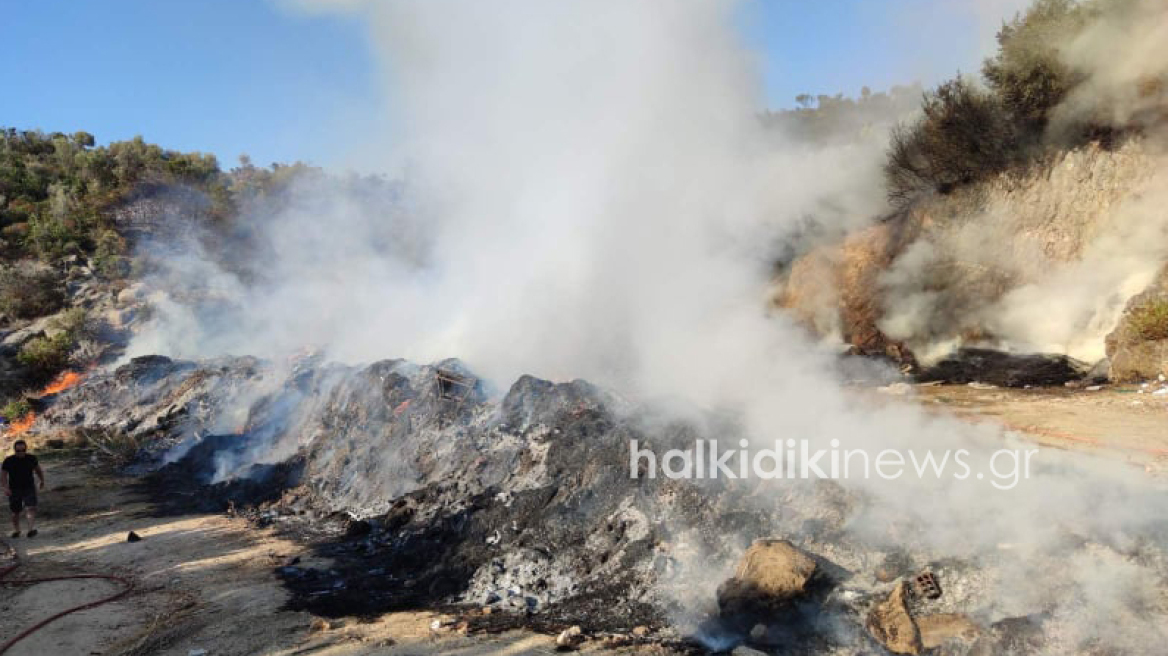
(201, 583)
(1123, 422)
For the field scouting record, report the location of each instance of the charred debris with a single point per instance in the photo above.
(425, 491)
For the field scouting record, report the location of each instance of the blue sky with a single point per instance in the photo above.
(235, 76)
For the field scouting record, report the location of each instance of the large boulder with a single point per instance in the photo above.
(1138, 347)
(891, 624)
(771, 573)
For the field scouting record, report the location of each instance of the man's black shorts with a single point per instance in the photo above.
(22, 499)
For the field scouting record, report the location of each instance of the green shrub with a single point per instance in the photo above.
(15, 410)
(1149, 322)
(26, 292)
(52, 236)
(963, 135)
(109, 256)
(46, 356)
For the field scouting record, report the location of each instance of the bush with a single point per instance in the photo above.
(108, 256)
(46, 356)
(27, 293)
(16, 410)
(964, 135)
(1149, 322)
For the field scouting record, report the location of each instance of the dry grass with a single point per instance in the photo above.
(116, 446)
(1149, 322)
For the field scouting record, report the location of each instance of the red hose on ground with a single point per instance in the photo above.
(33, 629)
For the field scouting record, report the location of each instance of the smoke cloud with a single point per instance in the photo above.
(588, 193)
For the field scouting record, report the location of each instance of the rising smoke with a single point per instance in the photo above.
(589, 195)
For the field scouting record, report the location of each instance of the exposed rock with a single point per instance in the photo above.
(969, 365)
(570, 638)
(1132, 356)
(891, 625)
(38, 328)
(934, 275)
(943, 627)
(771, 573)
(119, 318)
(132, 294)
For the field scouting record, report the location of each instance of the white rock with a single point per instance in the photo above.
(899, 389)
(131, 294)
(570, 637)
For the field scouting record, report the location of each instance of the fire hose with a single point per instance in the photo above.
(127, 586)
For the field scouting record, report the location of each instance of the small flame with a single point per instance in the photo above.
(63, 382)
(21, 425)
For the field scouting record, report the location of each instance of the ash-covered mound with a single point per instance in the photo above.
(425, 491)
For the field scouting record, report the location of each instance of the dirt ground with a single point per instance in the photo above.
(1122, 422)
(207, 582)
(202, 582)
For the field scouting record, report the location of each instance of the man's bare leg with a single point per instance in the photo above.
(16, 524)
(31, 521)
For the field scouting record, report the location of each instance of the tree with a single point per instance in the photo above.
(963, 135)
(1028, 73)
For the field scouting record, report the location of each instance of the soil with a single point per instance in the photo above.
(1113, 421)
(204, 581)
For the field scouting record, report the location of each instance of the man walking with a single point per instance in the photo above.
(16, 477)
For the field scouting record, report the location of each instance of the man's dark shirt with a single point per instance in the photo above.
(20, 472)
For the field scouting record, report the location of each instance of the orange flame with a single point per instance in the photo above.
(21, 425)
(63, 382)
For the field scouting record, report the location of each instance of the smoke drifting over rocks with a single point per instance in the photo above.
(589, 196)
(1035, 262)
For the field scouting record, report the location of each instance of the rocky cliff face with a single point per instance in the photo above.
(1042, 260)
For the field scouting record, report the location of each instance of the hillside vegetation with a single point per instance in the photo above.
(1023, 110)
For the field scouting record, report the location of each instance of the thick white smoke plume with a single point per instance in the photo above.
(593, 189)
(590, 194)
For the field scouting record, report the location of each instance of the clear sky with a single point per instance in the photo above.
(236, 76)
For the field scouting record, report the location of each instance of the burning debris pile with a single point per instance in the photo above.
(425, 491)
